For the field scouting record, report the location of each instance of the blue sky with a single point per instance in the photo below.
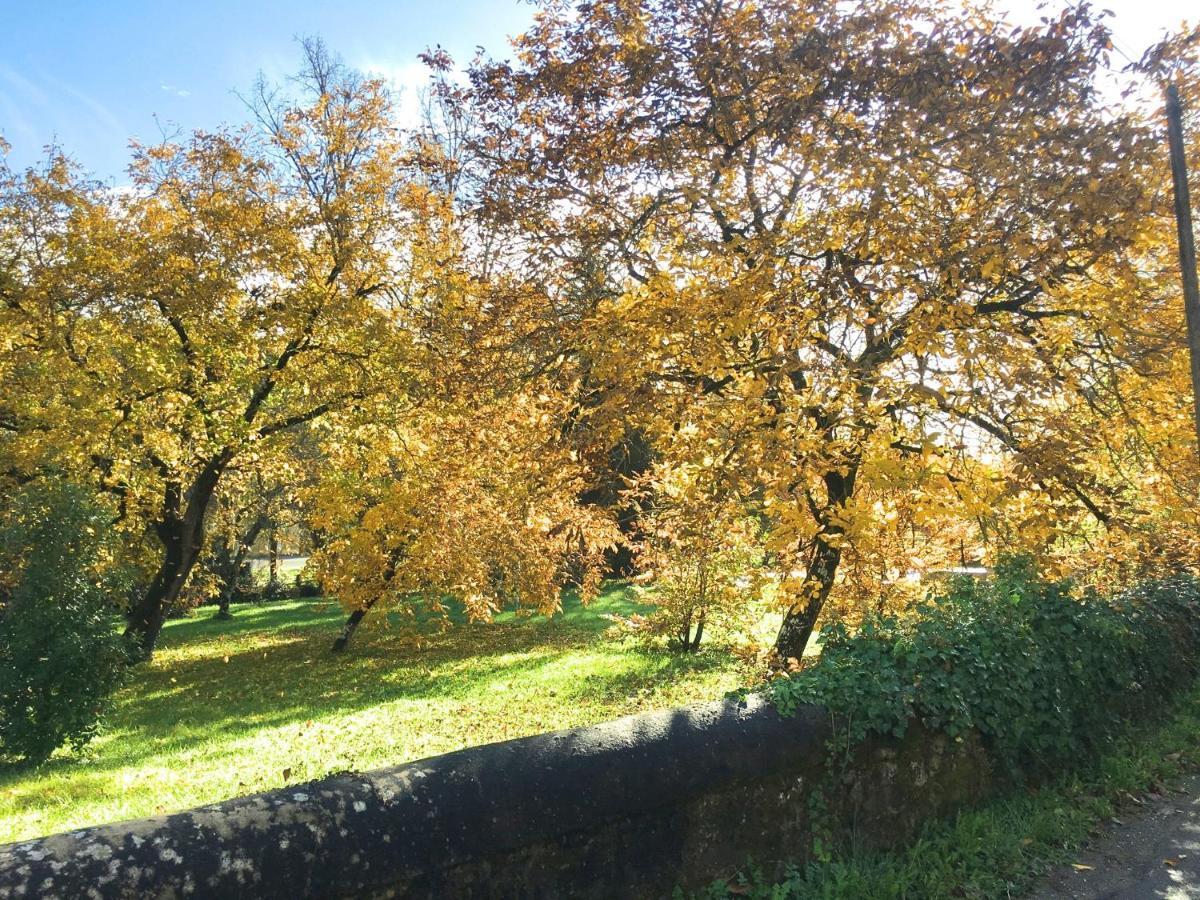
(90, 74)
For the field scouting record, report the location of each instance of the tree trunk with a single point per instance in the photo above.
(226, 597)
(801, 620)
(796, 630)
(229, 582)
(181, 531)
(273, 559)
(222, 566)
(695, 645)
(352, 623)
(822, 567)
(145, 619)
(684, 634)
(229, 577)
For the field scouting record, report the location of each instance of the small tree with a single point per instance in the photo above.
(249, 504)
(62, 656)
(704, 556)
(477, 510)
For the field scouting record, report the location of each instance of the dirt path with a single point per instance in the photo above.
(1153, 852)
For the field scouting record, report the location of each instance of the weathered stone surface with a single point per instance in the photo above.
(627, 808)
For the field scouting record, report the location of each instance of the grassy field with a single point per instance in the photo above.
(230, 708)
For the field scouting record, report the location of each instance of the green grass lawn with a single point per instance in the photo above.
(230, 708)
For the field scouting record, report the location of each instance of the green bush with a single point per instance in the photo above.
(1042, 676)
(61, 657)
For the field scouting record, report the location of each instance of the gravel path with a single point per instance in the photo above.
(1152, 851)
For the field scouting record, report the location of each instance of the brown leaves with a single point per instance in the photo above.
(487, 512)
(871, 288)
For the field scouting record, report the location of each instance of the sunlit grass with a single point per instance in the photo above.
(229, 708)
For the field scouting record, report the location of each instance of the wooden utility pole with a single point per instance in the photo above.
(1187, 246)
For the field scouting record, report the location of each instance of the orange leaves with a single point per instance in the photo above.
(866, 297)
(482, 507)
(898, 292)
(258, 303)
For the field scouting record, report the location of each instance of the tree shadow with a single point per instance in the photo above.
(207, 684)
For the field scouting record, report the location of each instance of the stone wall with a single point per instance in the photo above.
(628, 808)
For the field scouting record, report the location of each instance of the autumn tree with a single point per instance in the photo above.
(247, 283)
(1139, 449)
(245, 507)
(22, 368)
(700, 554)
(474, 510)
(481, 494)
(851, 244)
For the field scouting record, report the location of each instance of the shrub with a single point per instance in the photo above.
(301, 588)
(306, 588)
(702, 554)
(1040, 674)
(62, 657)
(275, 589)
(701, 583)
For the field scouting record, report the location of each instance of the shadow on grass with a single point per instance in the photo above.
(616, 599)
(271, 666)
(248, 617)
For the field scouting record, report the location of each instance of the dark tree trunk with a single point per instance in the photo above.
(181, 531)
(273, 558)
(146, 617)
(356, 617)
(224, 569)
(821, 572)
(232, 568)
(801, 620)
(695, 645)
(352, 623)
(684, 634)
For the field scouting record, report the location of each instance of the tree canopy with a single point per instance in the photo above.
(881, 265)
(880, 287)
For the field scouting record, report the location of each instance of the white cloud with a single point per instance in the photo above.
(1136, 24)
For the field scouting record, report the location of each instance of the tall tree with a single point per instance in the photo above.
(247, 283)
(842, 242)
